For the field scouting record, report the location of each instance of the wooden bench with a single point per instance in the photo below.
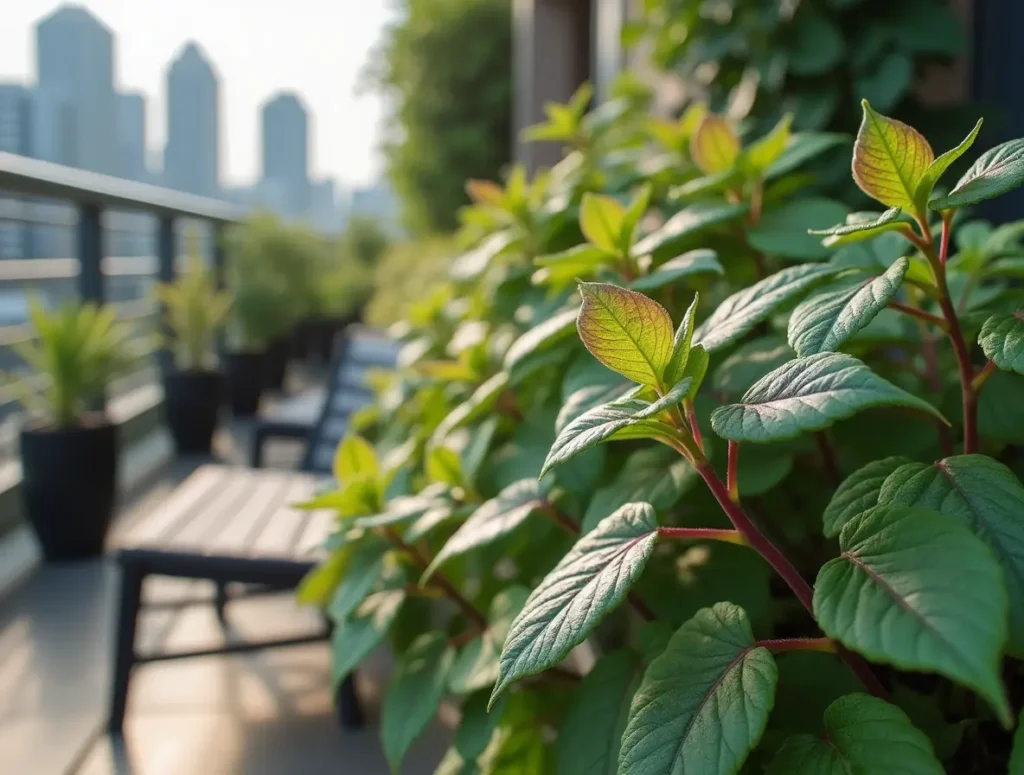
(236, 526)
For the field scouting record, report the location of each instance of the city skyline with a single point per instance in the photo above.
(348, 154)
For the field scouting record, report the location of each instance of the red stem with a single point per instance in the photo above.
(782, 645)
(703, 534)
(440, 580)
(906, 309)
(944, 241)
(781, 564)
(732, 473)
(982, 376)
(691, 419)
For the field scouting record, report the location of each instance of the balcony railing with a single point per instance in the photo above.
(67, 233)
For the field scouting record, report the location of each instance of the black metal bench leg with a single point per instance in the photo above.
(350, 713)
(124, 643)
(220, 602)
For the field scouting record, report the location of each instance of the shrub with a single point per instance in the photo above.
(76, 351)
(408, 272)
(446, 66)
(195, 311)
(802, 552)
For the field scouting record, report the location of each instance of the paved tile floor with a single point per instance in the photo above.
(269, 713)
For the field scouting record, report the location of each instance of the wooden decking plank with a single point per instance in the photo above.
(234, 492)
(269, 489)
(185, 499)
(279, 533)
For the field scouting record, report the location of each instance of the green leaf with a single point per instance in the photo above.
(626, 331)
(590, 397)
(562, 269)
(863, 734)
(996, 171)
(627, 418)
(681, 343)
(784, 231)
(746, 308)
(860, 226)
(589, 581)
(476, 729)
(591, 730)
(704, 185)
(858, 493)
(656, 475)
(809, 394)
(354, 639)
(362, 573)
(601, 221)
(817, 43)
(494, 519)
(982, 494)
(802, 147)
(633, 215)
(684, 226)
(895, 568)
(696, 369)
(406, 508)
(694, 262)
(414, 694)
(714, 147)
(478, 404)
(1017, 755)
(541, 337)
(749, 363)
(443, 465)
(1002, 340)
(940, 165)
(825, 321)
(1000, 410)
(889, 159)
(355, 457)
(704, 703)
(476, 666)
(764, 152)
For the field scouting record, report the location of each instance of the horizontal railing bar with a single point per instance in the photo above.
(15, 269)
(33, 177)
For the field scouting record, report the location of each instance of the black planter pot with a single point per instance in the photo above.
(276, 364)
(246, 372)
(69, 481)
(192, 400)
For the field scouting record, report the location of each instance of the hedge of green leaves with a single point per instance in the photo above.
(753, 506)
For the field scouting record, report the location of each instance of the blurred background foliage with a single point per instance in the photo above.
(446, 67)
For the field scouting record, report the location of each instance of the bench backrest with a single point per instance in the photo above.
(359, 351)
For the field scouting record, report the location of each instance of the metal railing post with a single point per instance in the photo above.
(166, 250)
(90, 254)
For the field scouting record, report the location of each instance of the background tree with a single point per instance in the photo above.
(446, 67)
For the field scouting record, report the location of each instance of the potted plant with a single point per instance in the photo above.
(69, 448)
(193, 391)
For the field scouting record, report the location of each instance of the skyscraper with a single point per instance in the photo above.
(131, 136)
(15, 134)
(286, 150)
(76, 120)
(192, 155)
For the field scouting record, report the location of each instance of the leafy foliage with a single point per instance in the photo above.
(74, 353)
(455, 125)
(195, 311)
(614, 529)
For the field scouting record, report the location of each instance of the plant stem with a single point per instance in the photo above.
(781, 564)
(703, 534)
(982, 376)
(956, 337)
(782, 645)
(438, 579)
(691, 418)
(906, 309)
(828, 458)
(732, 477)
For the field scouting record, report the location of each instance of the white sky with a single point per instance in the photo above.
(315, 47)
